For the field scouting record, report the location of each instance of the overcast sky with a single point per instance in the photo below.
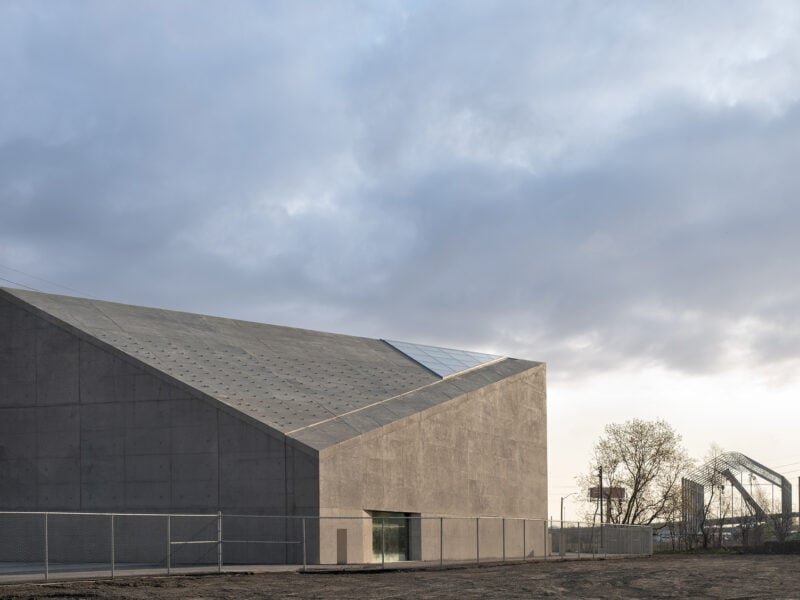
(609, 187)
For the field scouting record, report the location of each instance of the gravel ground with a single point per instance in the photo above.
(695, 576)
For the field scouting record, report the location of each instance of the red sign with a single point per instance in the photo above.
(609, 493)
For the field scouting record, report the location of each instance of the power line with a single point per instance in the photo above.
(19, 284)
(43, 280)
(784, 457)
(788, 465)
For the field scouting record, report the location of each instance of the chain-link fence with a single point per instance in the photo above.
(746, 532)
(58, 545)
(582, 540)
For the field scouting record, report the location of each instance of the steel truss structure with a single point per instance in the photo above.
(722, 468)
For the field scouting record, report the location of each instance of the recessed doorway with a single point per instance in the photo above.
(390, 536)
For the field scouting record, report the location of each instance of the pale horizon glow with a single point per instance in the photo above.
(730, 409)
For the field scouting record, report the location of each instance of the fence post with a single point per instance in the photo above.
(441, 542)
(169, 544)
(579, 540)
(383, 542)
(305, 563)
(545, 539)
(219, 541)
(112, 546)
(478, 540)
(46, 551)
(504, 539)
(524, 547)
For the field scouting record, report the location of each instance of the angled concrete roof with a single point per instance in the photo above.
(319, 388)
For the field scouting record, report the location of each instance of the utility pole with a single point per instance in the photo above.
(601, 508)
(721, 492)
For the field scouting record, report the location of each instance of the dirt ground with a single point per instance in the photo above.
(708, 576)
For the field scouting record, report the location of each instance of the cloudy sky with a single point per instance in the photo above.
(609, 187)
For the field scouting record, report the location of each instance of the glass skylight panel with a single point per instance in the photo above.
(442, 361)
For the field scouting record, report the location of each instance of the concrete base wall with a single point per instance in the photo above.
(147, 540)
(432, 539)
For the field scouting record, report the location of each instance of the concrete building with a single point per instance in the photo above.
(116, 408)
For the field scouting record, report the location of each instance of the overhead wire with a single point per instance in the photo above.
(19, 284)
(791, 464)
(42, 279)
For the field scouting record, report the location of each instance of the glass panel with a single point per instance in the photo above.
(442, 361)
(390, 535)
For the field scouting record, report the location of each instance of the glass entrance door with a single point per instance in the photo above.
(389, 536)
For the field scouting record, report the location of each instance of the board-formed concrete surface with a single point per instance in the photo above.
(84, 429)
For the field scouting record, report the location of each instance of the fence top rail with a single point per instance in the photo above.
(554, 524)
(105, 514)
(389, 518)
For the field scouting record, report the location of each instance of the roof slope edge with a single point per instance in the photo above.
(149, 369)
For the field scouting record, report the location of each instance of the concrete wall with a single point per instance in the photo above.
(83, 429)
(481, 454)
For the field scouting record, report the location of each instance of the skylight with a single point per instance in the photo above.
(442, 361)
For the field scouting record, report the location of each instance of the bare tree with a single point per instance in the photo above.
(714, 486)
(753, 523)
(748, 520)
(647, 459)
(780, 524)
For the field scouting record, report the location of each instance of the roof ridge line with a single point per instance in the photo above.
(355, 410)
(476, 367)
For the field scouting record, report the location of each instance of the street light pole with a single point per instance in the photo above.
(562, 506)
(601, 496)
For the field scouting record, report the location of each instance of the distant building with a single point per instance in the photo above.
(109, 407)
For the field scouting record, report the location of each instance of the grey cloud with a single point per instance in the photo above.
(658, 251)
(572, 183)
